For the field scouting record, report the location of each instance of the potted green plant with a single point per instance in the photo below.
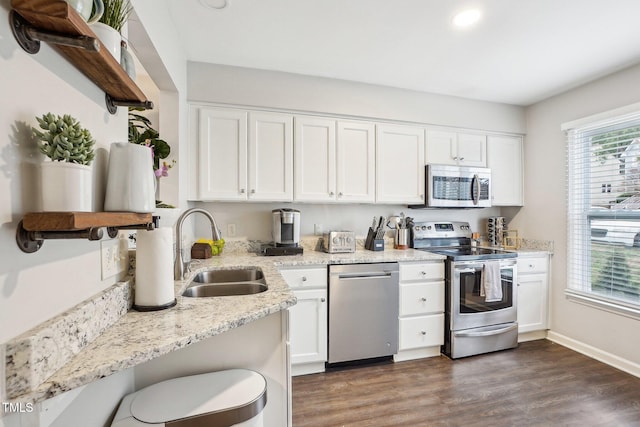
(141, 131)
(109, 27)
(66, 179)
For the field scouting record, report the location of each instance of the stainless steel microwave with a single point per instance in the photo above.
(449, 186)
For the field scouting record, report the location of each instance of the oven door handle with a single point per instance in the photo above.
(486, 333)
(469, 270)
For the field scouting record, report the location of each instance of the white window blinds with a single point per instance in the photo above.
(603, 164)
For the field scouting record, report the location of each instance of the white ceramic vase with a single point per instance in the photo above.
(109, 37)
(66, 187)
(130, 179)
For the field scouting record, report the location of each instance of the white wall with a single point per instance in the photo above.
(544, 216)
(36, 287)
(260, 88)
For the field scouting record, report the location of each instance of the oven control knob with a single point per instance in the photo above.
(336, 240)
(349, 240)
(428, 227)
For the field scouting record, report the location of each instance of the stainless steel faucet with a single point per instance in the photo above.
(180, 266)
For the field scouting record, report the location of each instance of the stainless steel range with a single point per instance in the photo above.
(480, 289)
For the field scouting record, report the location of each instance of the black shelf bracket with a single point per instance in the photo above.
(31, 241)
(113, 104)
(29, 38)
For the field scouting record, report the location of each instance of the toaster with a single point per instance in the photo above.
(335, 242)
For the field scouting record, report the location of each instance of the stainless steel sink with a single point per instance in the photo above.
(230, 276)
(225, 289)
(220, 283)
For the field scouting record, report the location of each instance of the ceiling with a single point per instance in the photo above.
(520, 52)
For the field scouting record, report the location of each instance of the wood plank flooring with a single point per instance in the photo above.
(538, 384)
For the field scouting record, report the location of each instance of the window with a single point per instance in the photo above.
(603, 161)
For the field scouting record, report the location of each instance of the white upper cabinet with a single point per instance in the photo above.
(315, 159)
(222, 154)
(356, 162)
(244, 155)
(505, 158)
(270, 157)
(456, 148)
(399, 164)
(334, 161)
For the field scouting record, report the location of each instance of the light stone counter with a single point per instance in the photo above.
(100, 337)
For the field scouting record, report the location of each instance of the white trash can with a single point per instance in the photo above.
(234, 397)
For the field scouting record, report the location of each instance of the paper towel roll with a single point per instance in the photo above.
(154, 270)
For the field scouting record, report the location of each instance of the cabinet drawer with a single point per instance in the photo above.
(421, 298)
(421, 331)
(422, 271)
(532, 265)
(306, 278)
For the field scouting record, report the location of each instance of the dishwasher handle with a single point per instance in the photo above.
(365, 275)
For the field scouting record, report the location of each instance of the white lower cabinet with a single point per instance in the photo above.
(533, 291)
(421, 321)
(308, 318)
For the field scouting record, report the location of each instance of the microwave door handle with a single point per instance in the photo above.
(475, 183)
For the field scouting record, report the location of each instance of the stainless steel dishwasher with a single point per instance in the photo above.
(363, 311)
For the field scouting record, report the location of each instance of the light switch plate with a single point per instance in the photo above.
(110, 260)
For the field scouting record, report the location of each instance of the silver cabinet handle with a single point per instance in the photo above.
(340, 194)
(422, 197)
(455, 158)
(242, 191)
(461, 159)
(423, 273)
(253, 191)
(322, 299)
(332, 193)
(423, 299)
(304, 278)
(423, 332)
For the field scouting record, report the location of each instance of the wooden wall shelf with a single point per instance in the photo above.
(36, 227)
(56, 22)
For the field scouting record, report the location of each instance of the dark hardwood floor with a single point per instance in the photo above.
(538, 384)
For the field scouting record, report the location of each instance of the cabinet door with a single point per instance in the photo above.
(421, 298)
(472, 150)
(315, 159)
(270, 156)
(308, 327)
(400, 164)
(356, 162)
(505, 160)
(532, 302)
(441, 147)
(222, 154)
(421, 331)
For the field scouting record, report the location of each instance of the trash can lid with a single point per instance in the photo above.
(224, 398)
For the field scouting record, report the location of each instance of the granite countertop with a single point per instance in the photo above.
(87, 348)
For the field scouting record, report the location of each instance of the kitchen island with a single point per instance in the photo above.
(135, 338)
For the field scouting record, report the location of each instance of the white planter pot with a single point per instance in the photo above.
(66, 187)
(109, 37)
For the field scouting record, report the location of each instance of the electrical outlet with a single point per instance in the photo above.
(231, 230)
(110, 260)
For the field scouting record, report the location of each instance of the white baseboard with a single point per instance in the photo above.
(418, 353)
(531, 336)
(307, 368)
(595, 353)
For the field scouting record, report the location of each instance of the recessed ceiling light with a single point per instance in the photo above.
(466, 18)
(214, 4)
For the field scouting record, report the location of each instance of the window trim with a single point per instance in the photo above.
(573, 294)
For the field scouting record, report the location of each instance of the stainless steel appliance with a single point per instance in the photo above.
(475, 322)
(285, 227)
(335, 242)
(363, 311)
(285, 230)
(448, 186)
